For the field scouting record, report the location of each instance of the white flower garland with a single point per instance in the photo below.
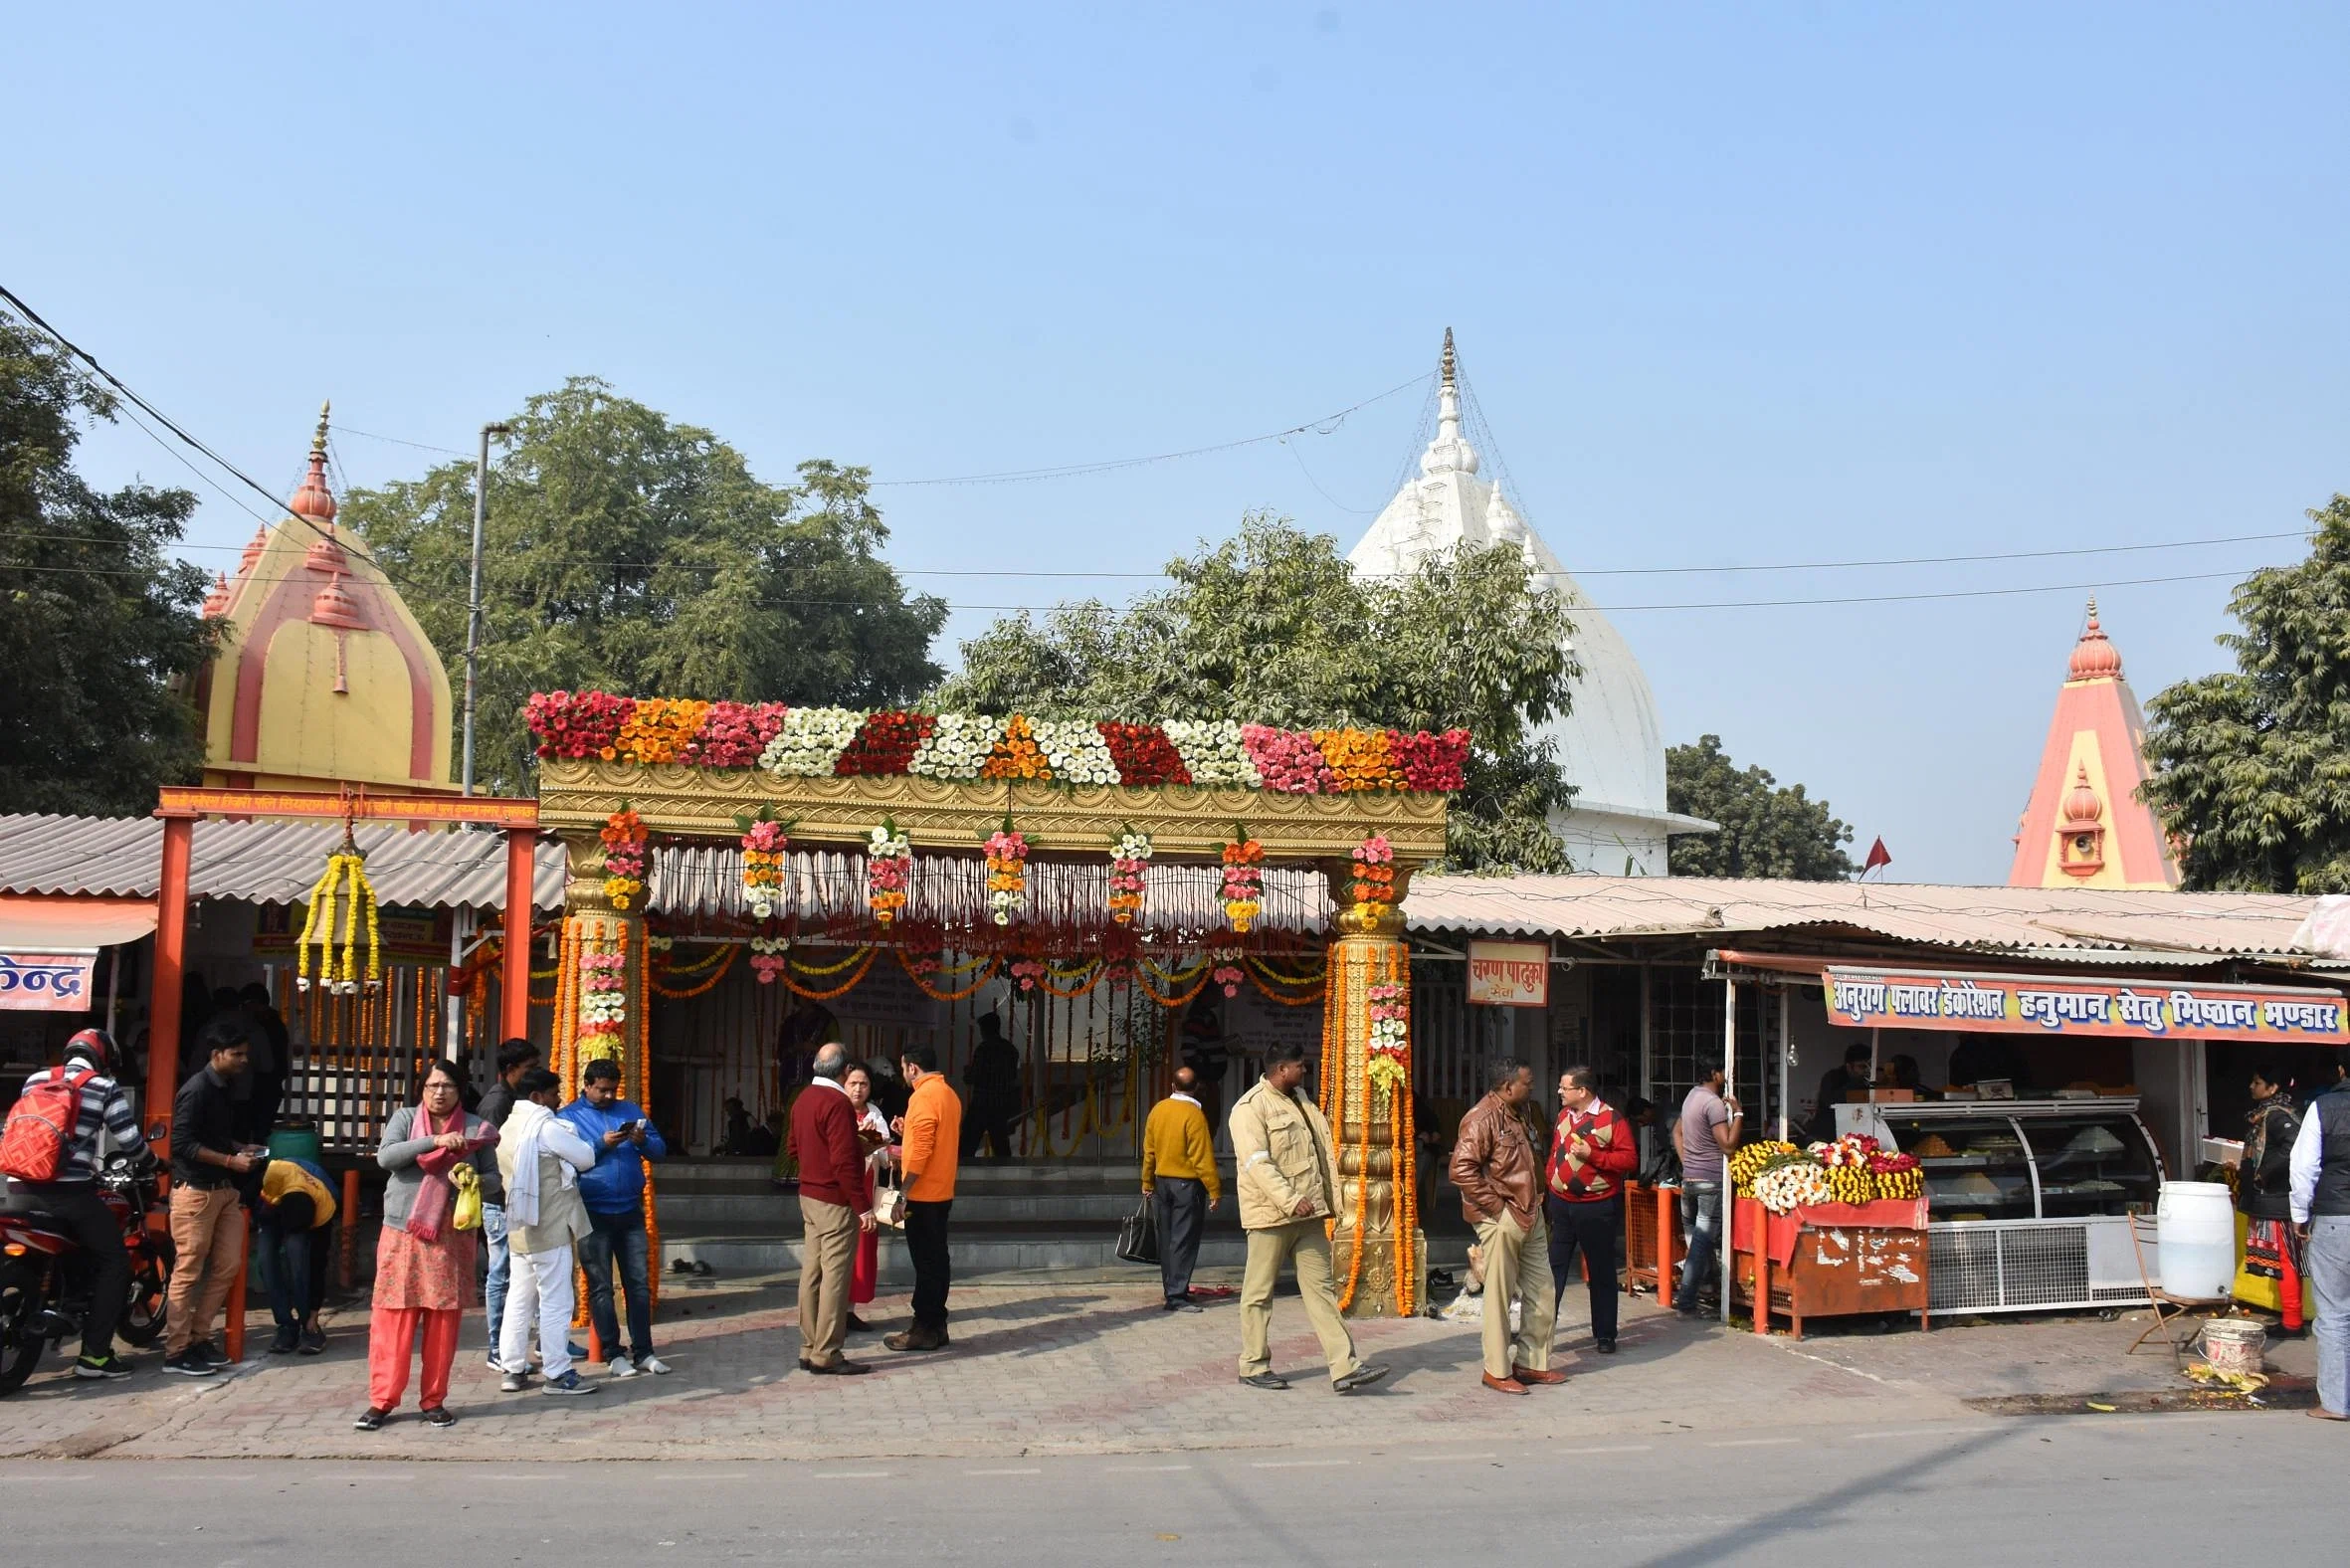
(1210, 748)
(811, 741)
(1076, 751)
(957, 747)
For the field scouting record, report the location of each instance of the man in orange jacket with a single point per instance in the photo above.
(931, 1132)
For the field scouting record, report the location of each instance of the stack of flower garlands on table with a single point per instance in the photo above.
(828, 742)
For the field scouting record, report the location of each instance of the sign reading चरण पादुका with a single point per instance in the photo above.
(1860, 998)
(46, 982)
(1510, 974)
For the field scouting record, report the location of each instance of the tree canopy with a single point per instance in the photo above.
(2252, 765)
(99, 622)
(1275, 626)
(631, 553)
(1767, 830)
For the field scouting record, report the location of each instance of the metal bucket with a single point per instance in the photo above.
(2234, 1345)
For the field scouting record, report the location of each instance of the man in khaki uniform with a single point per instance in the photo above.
(1501, 1180)
(1288, 1183)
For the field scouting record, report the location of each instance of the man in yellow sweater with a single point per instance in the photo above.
(1179, 1175)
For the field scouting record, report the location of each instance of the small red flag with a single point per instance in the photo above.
(1877, 855)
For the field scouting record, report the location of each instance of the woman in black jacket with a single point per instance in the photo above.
(2263, 1191)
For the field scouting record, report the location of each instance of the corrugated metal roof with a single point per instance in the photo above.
(1987, 919)
(262, 861)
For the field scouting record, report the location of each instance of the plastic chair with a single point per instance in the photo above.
(2145, 1233)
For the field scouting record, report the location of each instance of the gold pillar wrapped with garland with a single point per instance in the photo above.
(600, 997)
(1376, 1245)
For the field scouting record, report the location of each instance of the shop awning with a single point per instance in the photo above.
(73, 925)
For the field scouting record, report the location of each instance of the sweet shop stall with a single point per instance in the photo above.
(2032, 1170)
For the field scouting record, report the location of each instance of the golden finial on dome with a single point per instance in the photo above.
(1445, 365)
(325, 409)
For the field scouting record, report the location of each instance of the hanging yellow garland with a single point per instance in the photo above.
(855, 955)
(346, 872)
(985, 966)
(864, 962)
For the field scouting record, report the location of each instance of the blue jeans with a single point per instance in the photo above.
(1701, 1203)
(294, 1272)
(501, 1264)
(621, 1234)
(2327, 1260)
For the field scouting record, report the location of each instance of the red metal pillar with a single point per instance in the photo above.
(172, 941)
(522, 867)
(1667, 1242)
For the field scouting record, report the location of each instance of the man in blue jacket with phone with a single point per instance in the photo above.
(614, 1192)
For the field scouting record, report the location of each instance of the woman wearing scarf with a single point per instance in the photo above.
(2263, 1191)
(424, 1264)
(873, 1130)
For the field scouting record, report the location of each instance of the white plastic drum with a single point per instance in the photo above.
(2196, 1227)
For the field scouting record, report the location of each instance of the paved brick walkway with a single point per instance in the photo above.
(1078, 1368)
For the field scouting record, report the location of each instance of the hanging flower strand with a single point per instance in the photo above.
(888, 869)
(1129, 868)
(1007, 872)
(1391, 1039)
(1244, 880)
(624, 856)
(763, 843)
(1373, 884)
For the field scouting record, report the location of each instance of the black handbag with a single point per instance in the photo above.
(1138, 1235)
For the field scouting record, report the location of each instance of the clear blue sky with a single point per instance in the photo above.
(1733, 285)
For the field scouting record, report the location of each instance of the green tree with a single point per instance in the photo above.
(633, 555)
(2252, 766)
(1275, 626)
(1765, 830)
(101, 629)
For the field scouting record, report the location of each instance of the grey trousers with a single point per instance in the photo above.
(2327, 1262)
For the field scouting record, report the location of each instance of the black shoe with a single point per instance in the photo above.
(1265, 1380)
(1606, 1347)
(371, 1418)
(313, 1340)
(191, 1363)
(858, 1325)
(439, 1416)
(108, 1365)
(1363, 1376)
(210, 1352)
(287, 1341)
(1185, 1306)
(843, 1368)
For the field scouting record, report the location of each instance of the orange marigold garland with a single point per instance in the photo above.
(1007, 872)
(1017, 756)
(1360, 759)
(1372, 885)
(659, 728)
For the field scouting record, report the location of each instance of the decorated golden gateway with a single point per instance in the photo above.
(1040, 860)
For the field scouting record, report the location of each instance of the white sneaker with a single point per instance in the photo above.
(654, 1365)
(513, 1383)
(618, 1368)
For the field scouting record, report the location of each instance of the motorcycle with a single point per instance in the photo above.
(43, 1298)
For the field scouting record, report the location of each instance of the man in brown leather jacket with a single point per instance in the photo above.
(1501, 1180)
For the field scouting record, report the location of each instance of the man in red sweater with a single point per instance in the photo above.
(832, 1212)
(1592, 1151)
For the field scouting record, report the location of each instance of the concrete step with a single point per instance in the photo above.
(721, 1210)
(1075, 1250)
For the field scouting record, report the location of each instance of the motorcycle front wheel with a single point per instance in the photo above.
(21, 1341)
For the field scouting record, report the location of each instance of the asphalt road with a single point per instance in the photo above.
(2082, 1491)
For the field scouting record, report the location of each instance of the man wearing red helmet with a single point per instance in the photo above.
(73, 1196)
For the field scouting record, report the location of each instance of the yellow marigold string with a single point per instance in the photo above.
(1142, 983)
(725, 962)
(831, 969)
(923, 985)
(863, 961)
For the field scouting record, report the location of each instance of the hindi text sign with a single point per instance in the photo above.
(1872, 998)
(1510, 974)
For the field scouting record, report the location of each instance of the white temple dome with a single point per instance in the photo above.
(1609, 743)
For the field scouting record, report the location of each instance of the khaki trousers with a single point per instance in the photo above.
(1517, 1269)
(828, 1251)
(1304, 1242)
(208, 1248)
